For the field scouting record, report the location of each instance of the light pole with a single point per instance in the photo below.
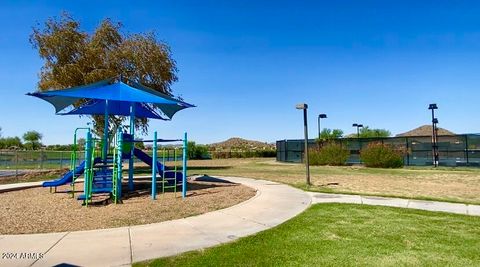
(433, 107)
(305, 128)
(358, 127)
(321, 116)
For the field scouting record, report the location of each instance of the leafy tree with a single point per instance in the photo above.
(329, 134)
(73, 57)
(140, 145)
(10, 142)
(32, 138)
(366, 132)
(81, 143)
(58, 147)
(195, 151)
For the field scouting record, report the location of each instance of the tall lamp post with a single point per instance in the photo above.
(358, 127)
(321, 116)
(305, 128)
(433, 107)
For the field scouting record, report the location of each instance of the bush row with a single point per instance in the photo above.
(375, 155)
(243, 154)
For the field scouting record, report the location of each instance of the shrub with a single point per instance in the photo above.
(378, 155)
(10, 142)
(197, 151)
(329, 154)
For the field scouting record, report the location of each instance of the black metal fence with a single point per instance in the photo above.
(454, 150)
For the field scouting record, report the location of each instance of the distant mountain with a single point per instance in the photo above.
(425, 130)
(240, 143)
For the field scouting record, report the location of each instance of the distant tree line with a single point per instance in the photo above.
(365, 132)
(31, 141)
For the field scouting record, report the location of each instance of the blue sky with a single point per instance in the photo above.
(246, 64)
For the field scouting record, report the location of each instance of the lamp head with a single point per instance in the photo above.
(354, 125)
(301, 106)
(322, 116)
(432, 106)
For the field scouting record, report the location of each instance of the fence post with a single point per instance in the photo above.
(61, 159)
(466, 149)
(16, 163)
(408, 152)
(41, 158)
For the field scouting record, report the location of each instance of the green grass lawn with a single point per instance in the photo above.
(350, 235)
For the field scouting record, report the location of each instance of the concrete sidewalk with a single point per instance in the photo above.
(459, 208)
(273, 204)
(19, 186)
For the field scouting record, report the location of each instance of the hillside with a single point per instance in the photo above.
(240, 143)
(425, 130)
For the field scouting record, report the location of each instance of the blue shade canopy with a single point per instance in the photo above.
(97, 107)
(122, 95)
(170, 110)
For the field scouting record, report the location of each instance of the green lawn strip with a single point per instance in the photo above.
(350, 235)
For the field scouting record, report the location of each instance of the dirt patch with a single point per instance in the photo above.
(38, 211)
(453, 187)
(455, 184)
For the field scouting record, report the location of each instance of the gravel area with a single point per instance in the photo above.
(38, 211)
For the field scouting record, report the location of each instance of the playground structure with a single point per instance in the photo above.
(103, 174)
(102, 177)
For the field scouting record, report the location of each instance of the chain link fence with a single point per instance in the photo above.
(14, 160)
(454, 150)
(46, 159)
(38, 159)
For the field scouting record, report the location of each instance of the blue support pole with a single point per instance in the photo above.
(105, 133)
(119, 164)
(184, 169)
(130, 161)
(154, 167)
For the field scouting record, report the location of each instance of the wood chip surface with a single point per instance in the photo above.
(37, 210)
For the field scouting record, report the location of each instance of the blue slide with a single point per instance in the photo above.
(148, 160)
(68, 177)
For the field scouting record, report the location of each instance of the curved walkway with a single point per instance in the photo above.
(273, 204)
